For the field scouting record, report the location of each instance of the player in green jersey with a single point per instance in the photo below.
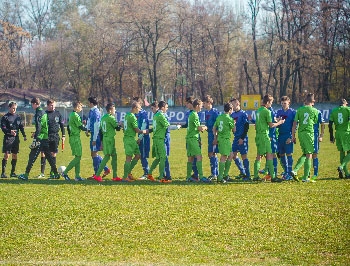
(74, 127)
(262, 139)
(160, 125)
(130, 144)
(306, 117)
(223, 126)
(192, 142)
(340, 118)
(108, 126)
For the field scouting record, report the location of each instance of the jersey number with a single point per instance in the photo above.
(306, 118)
(340, 118)
(221, 126)
(103, 126)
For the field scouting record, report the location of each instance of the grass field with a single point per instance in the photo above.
(69, 223)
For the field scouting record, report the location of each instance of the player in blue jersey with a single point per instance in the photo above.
(240, 141)
(284, 142)
(93, 129)
(143, 140)
(210, 117)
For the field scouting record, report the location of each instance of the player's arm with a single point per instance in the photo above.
(294, 128)
(330, 128)
(215, 133)
(323, 126)
(37, 126)
(4, 127)
(21, 128)
(245, 131)
(272, 125)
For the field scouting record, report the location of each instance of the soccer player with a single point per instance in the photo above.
(285, 142)
(11, 124)
(340, 118)
(306, 117)
(93, 125)
(222, 128)
(75, 125)
(143, 140)
(262, 139)
(210, 116)
(160, 126)
(108, 126)
(55, 122)
(40, 141)
(131, 146)
(240, 141)
(192, 143)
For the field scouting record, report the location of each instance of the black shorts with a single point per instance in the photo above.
(54, 141)
(10, 144)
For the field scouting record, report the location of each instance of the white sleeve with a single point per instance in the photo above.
(96, 130)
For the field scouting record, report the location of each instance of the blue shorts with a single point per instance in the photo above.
(211, 147)
(167, 147)
(316, 143)
(145, 146)
(97, 147)
(242, 149)
(274, 144)
(284, 148)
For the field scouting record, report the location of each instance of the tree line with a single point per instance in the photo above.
(169, 49)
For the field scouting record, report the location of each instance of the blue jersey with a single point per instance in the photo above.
(210, 117)
(272, 130)
(93, 123)
(142, 120)
(288, 116)
(319, 121)
(241, 119)
(167, 132)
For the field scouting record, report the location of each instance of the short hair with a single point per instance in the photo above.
(154, 104)
(233, 99)
(227, 107)
(310, 98)
(50, 101)
(12, 104)
(343, 101)
(109, 106)
(137, 99)
(162, 104)
(285, 98)
(208, 99)
(135, 104)
(267, 98)
(190, 99)
(92, 100)
(35, 100)
(76, 103)
(196, 102)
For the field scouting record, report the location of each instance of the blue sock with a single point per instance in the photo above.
(239, 164)
(96, 163)
(275, 165)
(167, 167)
(290, 164)
(246, 166)
(213, 166)
(217, 166)
(284, 163)
(315, 164)
(194, 167)
(145, 166)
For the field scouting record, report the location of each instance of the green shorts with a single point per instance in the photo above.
(306, 141)
(263, 144)
(75, 145)
(109, 146)
(342, 140)
(224, 146)
(158, 148)
(130, 146)
(193, 147)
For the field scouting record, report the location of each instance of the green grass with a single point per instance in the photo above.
(60, 222)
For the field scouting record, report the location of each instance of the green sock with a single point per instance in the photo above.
(221, 170)
(342, 156)
(300, 163)
(227, 167)
(102, 165)
(270, 168)
(307, 167)
(114, 165)
(189, 169)
(153, 166)
(199, 168)
(132, 165)
(161, 167)
(77, 167)
(126, 169)
(256, 168)
(72, 164)
(345, 162)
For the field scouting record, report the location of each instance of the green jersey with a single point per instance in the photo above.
(160, 125)
(192, 126)
(306, 116)
(263, 118)
(74, 124)
(224, 124)
(108, 125)
(130, 123)
(340, 116)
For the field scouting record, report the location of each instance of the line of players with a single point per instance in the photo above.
(49, 123)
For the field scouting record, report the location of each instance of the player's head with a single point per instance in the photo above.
(343, 102)
(92, 100)
(189, 102)
(162, 105)
(135, 107)
(236, 105)
(12, 107)
(197, 105)
(138, 99)
(154, 106)
(228, 108)
(267, 100)
(77, 106)
(110, 108)
(310, 99)
(285, 102)
(50, 104)
(35, 103)
(208, 102)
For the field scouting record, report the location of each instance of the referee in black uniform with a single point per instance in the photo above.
(11, 123)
